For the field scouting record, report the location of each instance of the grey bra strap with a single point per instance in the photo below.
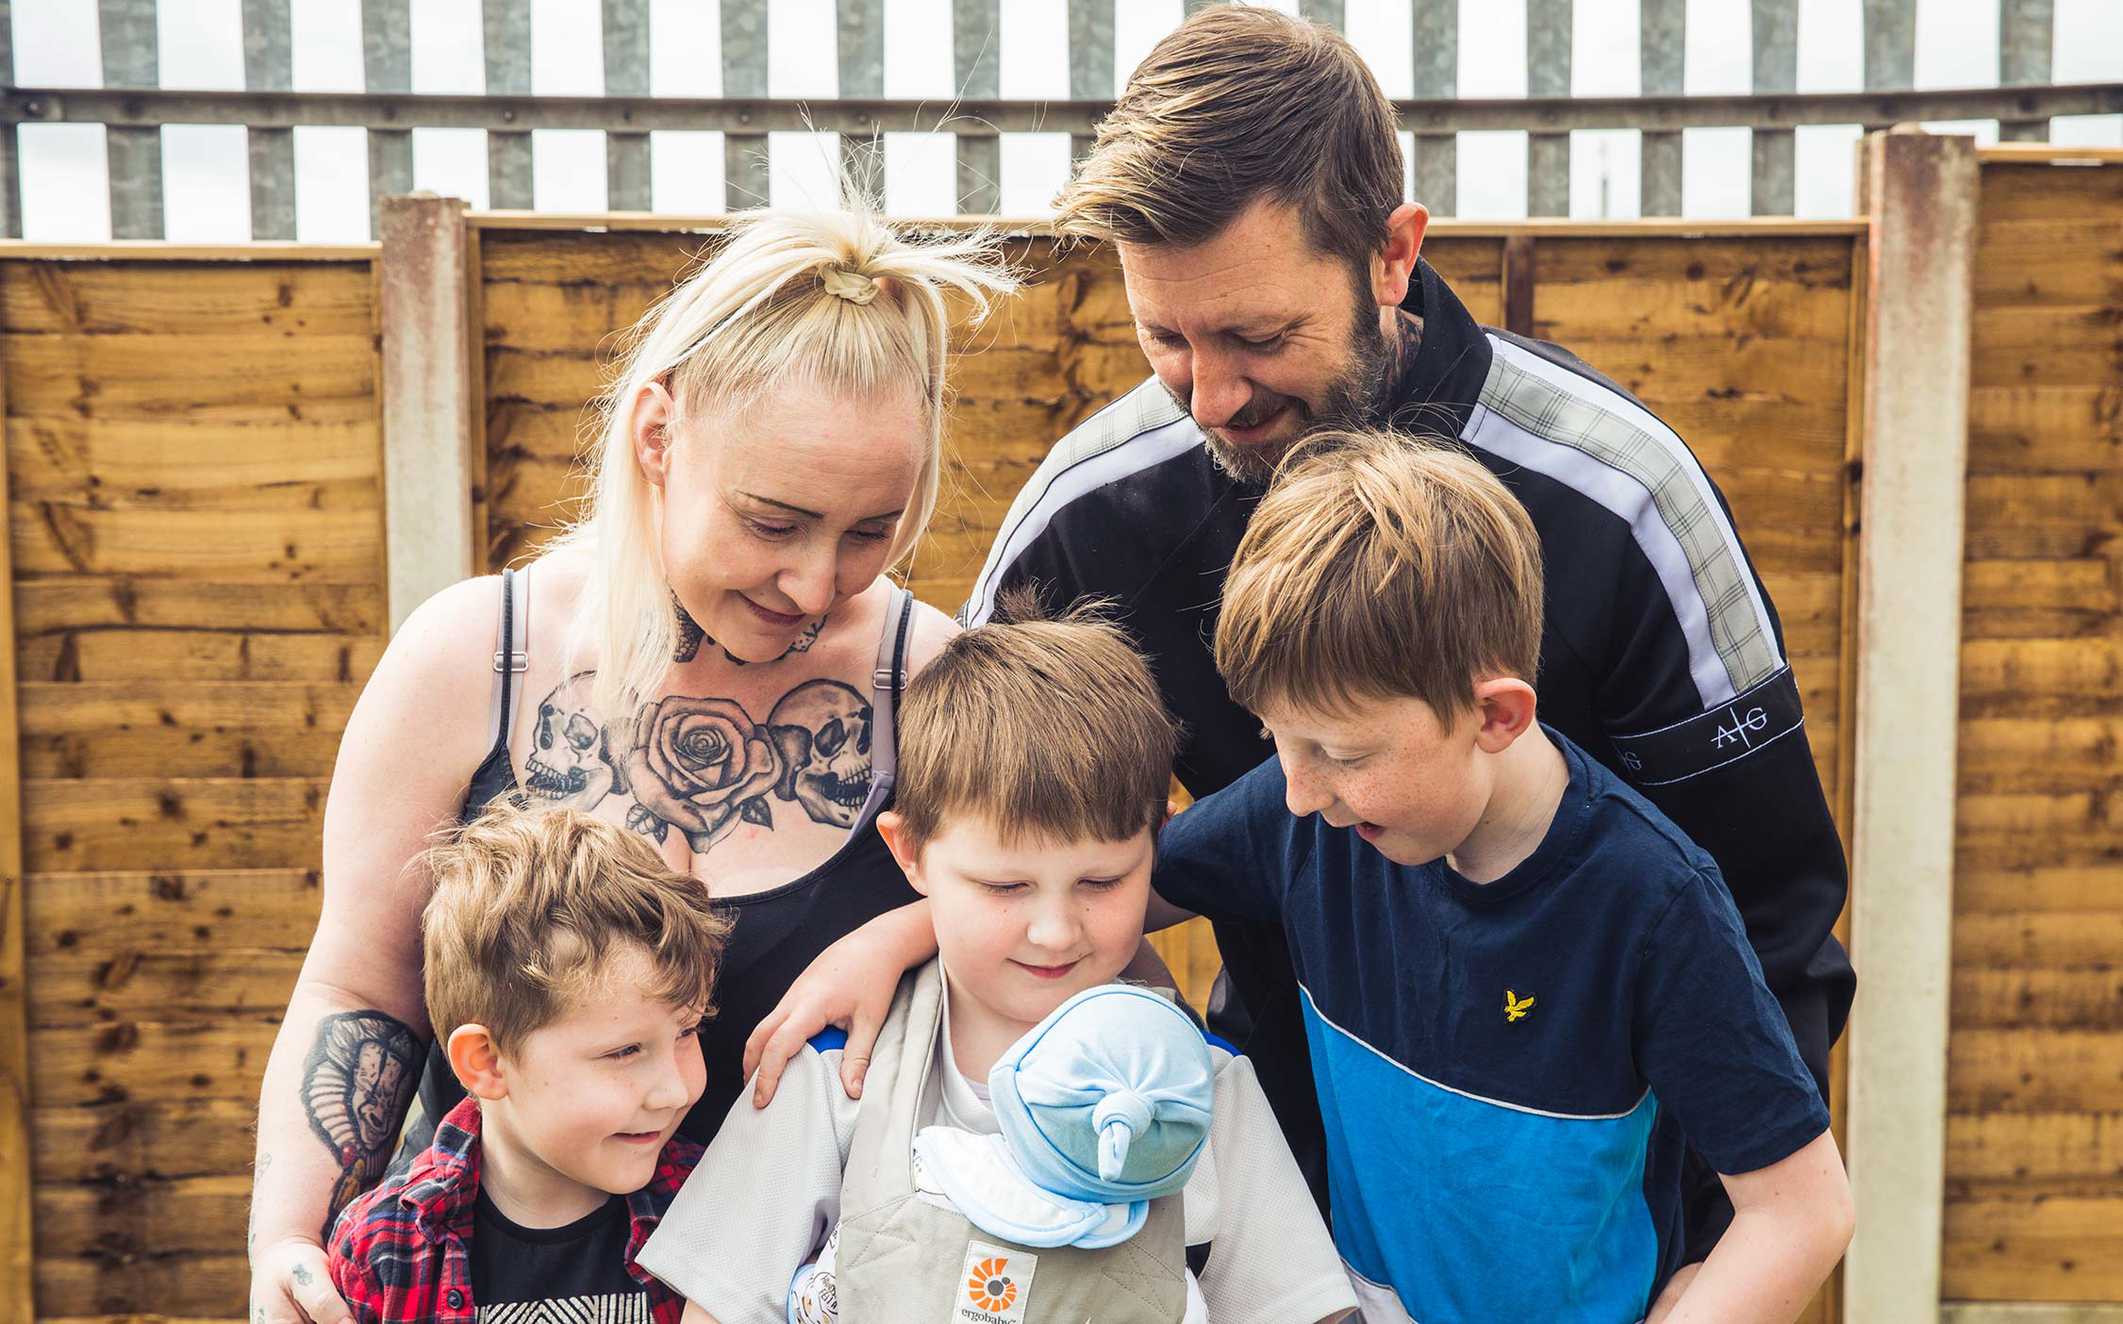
(512, 642)
(888, 682)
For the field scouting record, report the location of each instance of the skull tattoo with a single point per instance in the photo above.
(822, 731)
(571, 762)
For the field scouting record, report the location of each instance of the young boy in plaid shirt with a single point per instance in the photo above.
(568, 969)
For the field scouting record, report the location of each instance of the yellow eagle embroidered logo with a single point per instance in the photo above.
(1516, 1007)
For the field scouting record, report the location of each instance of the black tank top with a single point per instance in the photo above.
(775, 934)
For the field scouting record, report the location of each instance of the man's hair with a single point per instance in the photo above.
(1047, 728)
(1237, 105)
(530, 904)
(1380, 566)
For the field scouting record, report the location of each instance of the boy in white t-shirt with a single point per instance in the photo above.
(1034, 759)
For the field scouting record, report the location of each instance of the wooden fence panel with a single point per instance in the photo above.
(197, 532)
(2034, 1206)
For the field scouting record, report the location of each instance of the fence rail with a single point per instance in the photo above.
(133, 108)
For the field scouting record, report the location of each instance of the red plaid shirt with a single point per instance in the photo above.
(403, 1251)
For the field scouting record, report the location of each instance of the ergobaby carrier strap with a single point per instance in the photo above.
(906, 1257)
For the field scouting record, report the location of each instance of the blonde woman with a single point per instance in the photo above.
(711, 658)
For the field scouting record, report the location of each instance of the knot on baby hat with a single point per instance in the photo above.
(1108, 1098)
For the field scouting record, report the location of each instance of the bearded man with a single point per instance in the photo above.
(1250, 178)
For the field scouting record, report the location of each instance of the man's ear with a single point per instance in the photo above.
(1505, 705)
(893, 828)
(476, 1062)
(652, 416)
(1394, 265)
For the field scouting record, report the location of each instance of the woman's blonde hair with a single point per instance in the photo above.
(839, 301)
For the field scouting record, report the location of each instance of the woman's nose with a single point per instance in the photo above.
(809, 582)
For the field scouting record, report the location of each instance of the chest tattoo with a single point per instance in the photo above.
(702, 765)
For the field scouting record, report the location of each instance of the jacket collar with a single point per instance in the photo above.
(1451, 363)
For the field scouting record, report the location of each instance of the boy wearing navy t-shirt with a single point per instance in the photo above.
(1525, 990)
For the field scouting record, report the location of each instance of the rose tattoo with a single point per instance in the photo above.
(697, 765)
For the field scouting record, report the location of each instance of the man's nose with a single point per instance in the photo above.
(1220, 390)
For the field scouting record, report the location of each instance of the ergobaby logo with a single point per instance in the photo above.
(995, 1285)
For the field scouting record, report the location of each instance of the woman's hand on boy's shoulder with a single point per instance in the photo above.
(291, 1282)
(850, 985)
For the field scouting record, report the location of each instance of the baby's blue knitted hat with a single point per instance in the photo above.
(1108, 1098)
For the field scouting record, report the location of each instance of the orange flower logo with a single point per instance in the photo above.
(988, 1288)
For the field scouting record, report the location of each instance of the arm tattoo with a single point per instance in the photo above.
(361, 1071)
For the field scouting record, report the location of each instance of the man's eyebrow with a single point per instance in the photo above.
(812, 514)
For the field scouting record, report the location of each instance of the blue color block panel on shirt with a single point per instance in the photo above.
(1476, 1211)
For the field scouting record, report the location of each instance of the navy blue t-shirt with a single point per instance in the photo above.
(1507, 1070)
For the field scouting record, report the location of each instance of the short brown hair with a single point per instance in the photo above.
(1236, 105)
(1379, 566)
(529, 903)
(1047, 728)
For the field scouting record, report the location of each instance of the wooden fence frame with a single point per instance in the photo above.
(1901, 707)
(135, 108)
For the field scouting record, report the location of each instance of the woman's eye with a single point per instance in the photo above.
(869, 535)
(766, 530)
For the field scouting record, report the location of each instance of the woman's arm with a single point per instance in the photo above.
(1791, 1222)
(348, 1056)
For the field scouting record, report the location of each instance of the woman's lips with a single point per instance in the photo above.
(780, 620)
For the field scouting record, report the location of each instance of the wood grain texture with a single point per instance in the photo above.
(2034, 1197)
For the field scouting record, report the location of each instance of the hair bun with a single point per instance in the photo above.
(853, 286)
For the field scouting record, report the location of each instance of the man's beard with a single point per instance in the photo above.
(1355, 398)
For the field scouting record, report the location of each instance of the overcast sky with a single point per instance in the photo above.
(64, 177)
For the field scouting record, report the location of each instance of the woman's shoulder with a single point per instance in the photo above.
(930, 631)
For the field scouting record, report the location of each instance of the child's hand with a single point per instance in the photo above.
(850, 985)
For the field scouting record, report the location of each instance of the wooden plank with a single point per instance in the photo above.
(744, 74)
(174, 1286)
(2022, 1247)
(2016, 940)
(203, 378)
(268, 66)
(2088, 999)
(151, 1061)
(206, 654)
(2017, 1147)
(186, 1215)
(192, 730)
(252, 909)
(17, 1237)
(1548, 51)
(2026, 32)
(105, 1141)
(252, 300)
(2022, 1312)
(1772, 184)
(1662, 41)
(976, 65)
(2015, 1070)
(1435, 34)
(506, 29)
(130, 59)
(427, 415)
(387, 66)
(193, 823)
(1921, 195)
(62, 604)
(333, 545)
(626, 73)
(1091, 73)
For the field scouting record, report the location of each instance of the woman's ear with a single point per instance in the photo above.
(652, 416)
(893, 828)
(476, 1062)
(1505, 705)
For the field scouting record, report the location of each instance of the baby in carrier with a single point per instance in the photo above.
(1034, 1141)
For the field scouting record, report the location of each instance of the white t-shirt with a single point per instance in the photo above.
(766, 1195)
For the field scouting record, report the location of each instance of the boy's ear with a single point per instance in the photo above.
(477, 1062)
(893, 828)
(1505, 706)
(653, 412)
